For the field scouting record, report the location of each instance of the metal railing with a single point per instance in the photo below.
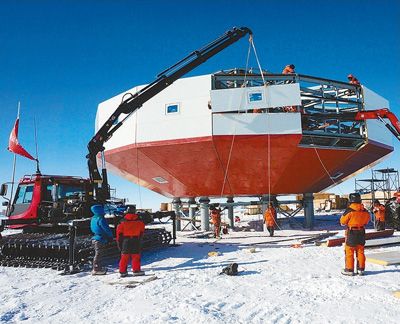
(322, 102)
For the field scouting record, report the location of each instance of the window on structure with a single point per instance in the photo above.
(255, 97)
(172, 109)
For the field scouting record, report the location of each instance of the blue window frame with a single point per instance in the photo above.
(172, 108)
(255, 96)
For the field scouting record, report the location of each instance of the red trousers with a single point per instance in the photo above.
(349, 252)
(123, 263)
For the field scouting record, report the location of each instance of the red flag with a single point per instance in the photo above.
(13, 144)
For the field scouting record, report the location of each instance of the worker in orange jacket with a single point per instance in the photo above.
(397, 196)
(289, 69)
(216, 219)
(355, 218)
(129, 235)
(379, 212)
(270, 219)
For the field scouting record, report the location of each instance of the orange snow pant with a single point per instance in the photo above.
(360, 256)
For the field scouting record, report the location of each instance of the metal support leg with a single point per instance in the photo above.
(174, 229)
(192, 212)
(176, 204)
(71, 268)
(204, 212)
(230, 213)
(308, 201)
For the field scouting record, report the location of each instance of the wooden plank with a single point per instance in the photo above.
(383, 241)
(368, 235)
(384, 258)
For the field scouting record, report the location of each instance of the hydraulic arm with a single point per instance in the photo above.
(134, 101)
(380, 114)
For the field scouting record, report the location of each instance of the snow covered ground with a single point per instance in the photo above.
(277, 284)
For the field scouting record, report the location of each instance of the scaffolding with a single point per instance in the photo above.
(382, 184)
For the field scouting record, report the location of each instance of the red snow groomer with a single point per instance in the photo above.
(53, 216)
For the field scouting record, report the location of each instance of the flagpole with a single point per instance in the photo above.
(36, 144)
(14, 166)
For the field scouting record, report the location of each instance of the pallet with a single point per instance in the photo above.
(384, 258)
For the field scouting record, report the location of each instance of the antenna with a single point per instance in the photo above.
(36, 145)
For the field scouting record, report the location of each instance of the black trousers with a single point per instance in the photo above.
(99, 251)
(379, 226)
(270, 230)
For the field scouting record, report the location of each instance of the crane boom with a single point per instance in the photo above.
(135, 101)
(380, 114)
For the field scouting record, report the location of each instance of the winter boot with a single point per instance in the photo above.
(123, 274)
(99, 272)
(347, 272)
(138, 273)
(360, 272)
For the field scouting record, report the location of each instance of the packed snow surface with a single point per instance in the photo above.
(276, 284)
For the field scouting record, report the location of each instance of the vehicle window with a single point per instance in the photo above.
(47, 193)
(68, 191)
(24, 194)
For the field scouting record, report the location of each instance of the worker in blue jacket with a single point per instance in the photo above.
(102, 236)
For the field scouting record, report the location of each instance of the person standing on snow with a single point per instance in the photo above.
(216, 219)
(270, 219)
(129, 236)
(102, 236)
(355, 218)
(379, 212)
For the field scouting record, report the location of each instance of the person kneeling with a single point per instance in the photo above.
(129, 236)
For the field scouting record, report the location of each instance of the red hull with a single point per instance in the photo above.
(197, 167)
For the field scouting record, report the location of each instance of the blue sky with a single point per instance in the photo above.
(62, 58)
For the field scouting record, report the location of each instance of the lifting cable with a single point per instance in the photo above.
(326, 170)
(234, 131)
(268, 134)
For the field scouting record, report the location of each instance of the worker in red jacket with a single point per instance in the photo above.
(270, 219)
(379, 212)
(355, 218)
(129, 234)
(352, 79)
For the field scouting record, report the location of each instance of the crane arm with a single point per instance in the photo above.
(381, 115)
(134, 101)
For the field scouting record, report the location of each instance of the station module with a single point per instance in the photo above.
(235, 133)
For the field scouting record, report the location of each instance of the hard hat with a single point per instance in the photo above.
(355, 197)
(97, 209)
(350, 76)
(292, 66)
